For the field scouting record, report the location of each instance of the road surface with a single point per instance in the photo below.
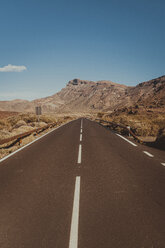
(83, 186)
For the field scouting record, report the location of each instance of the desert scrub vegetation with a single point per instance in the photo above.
(21, 123)
(29, 121)
(143, 123)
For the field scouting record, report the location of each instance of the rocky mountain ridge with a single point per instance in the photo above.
(88, 96)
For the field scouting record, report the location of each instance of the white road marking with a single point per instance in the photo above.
(126, 139)
(80, 137)
(73, 242)
(163, 164)
(6, 157)
(81, 130)
(81, 123)
(149, 154)
(79, 154)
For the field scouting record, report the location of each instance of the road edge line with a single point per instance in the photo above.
(18, 150)
(126, 139)
(148, 154)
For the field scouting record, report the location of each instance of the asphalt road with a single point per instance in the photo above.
(83, 186)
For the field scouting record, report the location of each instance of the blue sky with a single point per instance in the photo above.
(58, 40)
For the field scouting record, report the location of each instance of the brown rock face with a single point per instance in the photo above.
(150, 93)
(84, 96)
(88, 96)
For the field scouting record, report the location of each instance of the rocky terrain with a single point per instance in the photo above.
(144, 122)
(88, 96)
(150, 94)
(12, 124)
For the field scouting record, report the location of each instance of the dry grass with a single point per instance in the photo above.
(20, 123)
(143, 122)
(6, 114)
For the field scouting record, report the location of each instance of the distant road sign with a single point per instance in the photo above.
(38, 110)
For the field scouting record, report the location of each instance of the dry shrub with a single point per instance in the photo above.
(21, 130)
(4, 124)
(5, 134)
(142, 123)
(21, 123)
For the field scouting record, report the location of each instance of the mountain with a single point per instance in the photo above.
(15, 105)
(88, 96)
(150, 93)
(83, 96)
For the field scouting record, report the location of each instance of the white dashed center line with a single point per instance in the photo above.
(73, 242)
(79, 154)
(80, 137)
(81, 123)
(163, 164)
(81, 130)
(148, 154)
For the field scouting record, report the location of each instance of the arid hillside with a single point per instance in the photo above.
(150, 94)
(88, 96)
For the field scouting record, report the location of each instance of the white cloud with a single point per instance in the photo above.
(11, 68)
